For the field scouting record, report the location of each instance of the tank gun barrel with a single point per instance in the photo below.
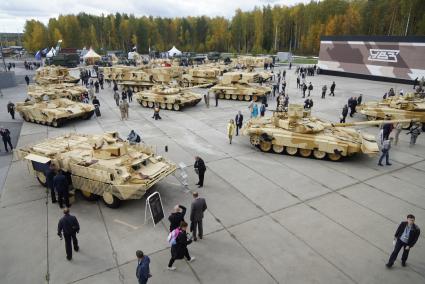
(375, 122)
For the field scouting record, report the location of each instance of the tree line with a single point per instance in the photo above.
(264, 29)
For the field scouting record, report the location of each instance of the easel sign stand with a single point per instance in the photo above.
(156, 209)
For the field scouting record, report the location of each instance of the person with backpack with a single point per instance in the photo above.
(179, 241)
(177, 217)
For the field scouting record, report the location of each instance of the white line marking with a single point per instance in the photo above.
(126, 224)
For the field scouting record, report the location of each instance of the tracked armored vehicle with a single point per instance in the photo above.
(54, 75)
(64, 90)
(296, 132)
(168, 98)
(409, 106)
(200, 76)
(99, 165)
(234, 86)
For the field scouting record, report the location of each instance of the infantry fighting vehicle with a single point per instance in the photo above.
(54, 75)
(234, 86)
(64, 90)
(99, 165)
(200, 76)
(295, 131)
(52, 109)
(409, 106)
(168, 98)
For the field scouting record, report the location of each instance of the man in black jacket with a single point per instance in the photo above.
(60, 183)
(405, 237)
(200, 169)
(50, 175)
(5, 136)
(69, 226)
(238, 122)
(177, 217)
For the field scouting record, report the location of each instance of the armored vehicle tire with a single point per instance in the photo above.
(176, 107)
(254, 140)
(110, 200)
(305, 152)
(150, 104)
(227, 96)
(370, 117)
(240, 97)
(247, 97)
(89, 196)
(291, 150)
(163, 105)
(41, 177)
(265, 146)
(169, 106)
(145, 103)
(234, 97)
(334, 156)
(319, 154)
(278, 149)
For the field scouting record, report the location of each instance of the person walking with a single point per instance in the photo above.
(50, 175)
(216, 98)
(397, 130)
(68, 226)
(177, 217)
(11, 109)
(130, 95)
(324, 88)
(262, 110)
(27, 79)
(96, 86)
(123, 95)
(304, 89)
(405, 237)
(142, 270)
(117, 98)
(231, 130)
(254, 111)
(332, 89)
(200, 169)
(298, 82)
(352, 104)
(60, 184)
(124, 110)
(156, 110)
(310, 88)
(179, 249)
(96, 104)
(5, 136)
(385, 149)
(344, 114)
(239, 122)
(197, 209)
(414, 132)
(207, 99)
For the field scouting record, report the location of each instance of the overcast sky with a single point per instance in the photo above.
(13, 13)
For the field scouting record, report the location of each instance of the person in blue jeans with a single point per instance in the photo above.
(386, 146)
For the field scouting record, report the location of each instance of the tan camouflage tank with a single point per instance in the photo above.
(131, 77)
(99, 165)
(168, 98)
(409, 106)
(296, 132)
(52, 91)
(234, 86)
(200, 76)
(54, 75)
(253, 61)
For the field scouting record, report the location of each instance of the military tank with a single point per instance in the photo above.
(295, 131)
(409, 106)
(200, 76)
(99, 165)
(63, 90)
(234, 86)
(168, 98)
(131, 77)
(48, 109)
(54, 75)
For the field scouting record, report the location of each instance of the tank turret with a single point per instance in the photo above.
(53, 75)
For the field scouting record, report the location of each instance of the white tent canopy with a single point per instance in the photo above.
(51, 53)
(174, 51)
(91, 54)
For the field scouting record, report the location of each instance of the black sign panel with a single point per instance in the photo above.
(155, 206)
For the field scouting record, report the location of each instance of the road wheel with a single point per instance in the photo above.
(110, 200)
(41, 177)
(227, 96)
(265, 146)
(234, 97)
(319, 154)
(291, 150)
(305, 152)
(247, 98)
(240, 97)
(334, 156)
(254, 140)
(221, 96)
(55, 123)
(176, 107)
(145, 103)
(370, 117)
(89, 196)
(169, 106)
(163, 105)
(150, 104)
(278, 148)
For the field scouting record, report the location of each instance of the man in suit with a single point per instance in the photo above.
(60, 184)
(197, 214)
(142, 270)
(239, 122)
(200, 169)
(405, 237)
(69, 225)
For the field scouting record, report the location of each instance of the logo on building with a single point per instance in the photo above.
(384, 55)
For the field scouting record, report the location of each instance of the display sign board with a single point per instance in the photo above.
(155, 207)
(385, 56)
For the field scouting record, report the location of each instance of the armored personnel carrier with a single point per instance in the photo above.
(54, 75)
(295, 131)
(52, 91)
(409, 106)
(99, 165)
(234, 86)
(168, 98)
(200, 76)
